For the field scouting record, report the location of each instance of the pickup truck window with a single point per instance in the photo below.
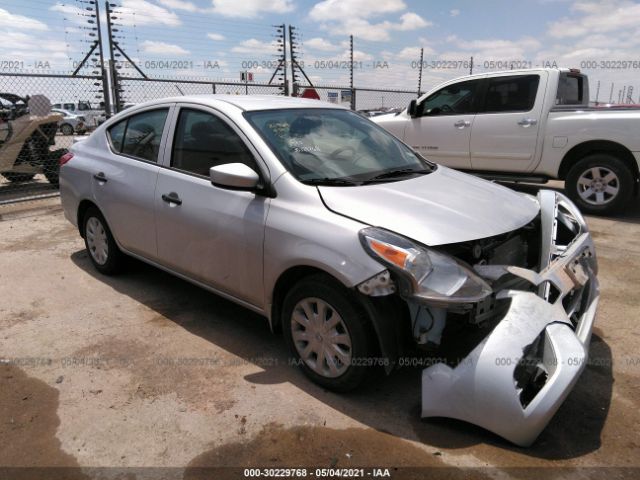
(571, 90)
(511, 94)
(453, 99)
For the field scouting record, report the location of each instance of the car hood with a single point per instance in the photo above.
(442, 207)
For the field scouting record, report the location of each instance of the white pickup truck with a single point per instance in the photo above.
(528, 125)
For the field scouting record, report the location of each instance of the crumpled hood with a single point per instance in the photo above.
(443, 207)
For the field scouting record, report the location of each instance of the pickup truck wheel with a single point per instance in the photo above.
(101, 247)
(600, 184)
(327, 333)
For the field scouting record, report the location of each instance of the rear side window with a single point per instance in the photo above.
(203, 140)
(571, 90)
(139, 135)
(511, 94)
(116, 135)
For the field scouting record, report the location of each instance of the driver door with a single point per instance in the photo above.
(441, 129)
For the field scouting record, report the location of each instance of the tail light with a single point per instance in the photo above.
(65, 158)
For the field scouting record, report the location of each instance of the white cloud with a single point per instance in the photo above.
(454, 12)
(593, 17)
(411, 21)
(215, 36)
(333, 10)
(376, 32)
(179, 5)
(253, 45)
(8, 19)
(320, 44)
(413, 53)
(162, 48)
(142, 12)
(488, 49)
(251, 8)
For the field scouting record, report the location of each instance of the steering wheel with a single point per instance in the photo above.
(335, 155)
(446, 108)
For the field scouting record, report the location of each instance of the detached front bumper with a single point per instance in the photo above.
(514, 381)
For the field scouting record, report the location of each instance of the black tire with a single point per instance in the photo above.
(114, 257)
(67, 129)
(18, 177)
(358, 327)
(610, 204)
(51, 167)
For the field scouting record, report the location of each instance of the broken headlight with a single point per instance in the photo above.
(430, 275)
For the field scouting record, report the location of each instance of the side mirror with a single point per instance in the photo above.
(234, 176)
(413, 108)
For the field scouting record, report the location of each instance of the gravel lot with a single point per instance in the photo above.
(145, 370)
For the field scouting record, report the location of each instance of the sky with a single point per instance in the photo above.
(220, 38)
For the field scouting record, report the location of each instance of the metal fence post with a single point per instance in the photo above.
(115, 84)
(353, 91)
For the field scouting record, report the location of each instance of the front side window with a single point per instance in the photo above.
(511, 94)
(335, 146)
(69, 106)
(139, 135)
(83, 106)
(203, 140)
(456, 99)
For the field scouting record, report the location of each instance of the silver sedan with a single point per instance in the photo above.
(360, 251)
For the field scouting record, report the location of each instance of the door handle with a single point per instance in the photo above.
(172, 198)
(462, 124)
(101, 177)
(525, 122)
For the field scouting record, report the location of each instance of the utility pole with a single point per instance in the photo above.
(112, 63)
(353, 92)
(281, 43)
(103, 70)
(420, 71)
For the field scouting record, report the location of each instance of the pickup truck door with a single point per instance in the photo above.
(441, 128)
(209, 234)
(505, 132)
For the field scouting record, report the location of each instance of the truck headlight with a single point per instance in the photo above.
(431, 275)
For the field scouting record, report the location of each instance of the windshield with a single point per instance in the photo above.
(335, 146)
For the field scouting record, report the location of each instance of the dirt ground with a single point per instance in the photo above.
(146, 370)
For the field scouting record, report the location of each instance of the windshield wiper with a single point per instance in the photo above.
(331, 181)
(398, 172)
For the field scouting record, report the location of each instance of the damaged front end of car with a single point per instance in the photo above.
(510, 316)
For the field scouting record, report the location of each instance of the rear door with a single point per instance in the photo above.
(124, 178)
(441, 129)
(210, 234)
(504, 136)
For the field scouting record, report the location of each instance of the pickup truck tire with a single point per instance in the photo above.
(101, 246)
(600, 184)
(328, 333)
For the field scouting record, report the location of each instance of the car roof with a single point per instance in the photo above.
(245, 102)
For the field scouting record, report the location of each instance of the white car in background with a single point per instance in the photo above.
(70, 123)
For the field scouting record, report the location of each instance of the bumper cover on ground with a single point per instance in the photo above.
(483, 388)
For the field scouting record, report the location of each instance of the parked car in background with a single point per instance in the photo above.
(355, 247)
(27, 131)
(528, 125)
(70, 123)
(93, 114)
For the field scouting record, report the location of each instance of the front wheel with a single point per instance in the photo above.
(328, 333)
(600, 184)
(100, 244)
(66, 129)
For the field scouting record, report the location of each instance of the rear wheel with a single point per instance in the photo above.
(18, 177)
(600, 184)
(66, 129)
(101, 247)
(328, 333)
